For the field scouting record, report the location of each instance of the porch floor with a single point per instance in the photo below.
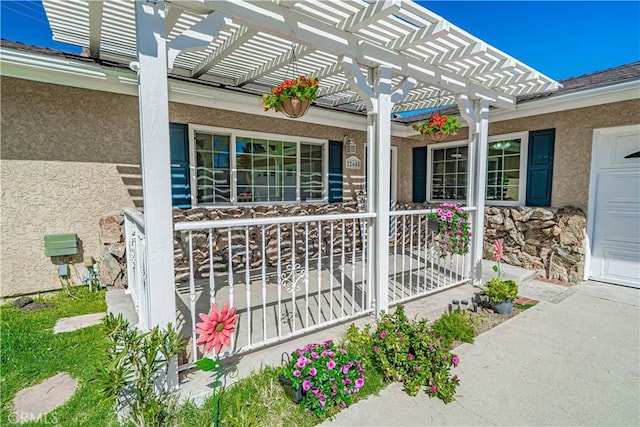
(278, 305)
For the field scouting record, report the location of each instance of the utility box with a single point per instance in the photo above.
(61, 244)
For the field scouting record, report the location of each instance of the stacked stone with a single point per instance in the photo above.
(306, 239)
(113, 263)
(551, 241)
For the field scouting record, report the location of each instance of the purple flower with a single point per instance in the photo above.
(410, 356)
(375, 348)
(331, 364)
(315, 391)
(359, 382)
(314, 355)
(300, 363)
(345, 369)
(432, 389)
(296, 373)
(346, 381)
(455, 360)
(455, 378)
(313, 372)
(383, 334)
(430, 347)
(306, 385)
(444, 357)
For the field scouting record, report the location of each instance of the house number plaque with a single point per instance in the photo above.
(353, 163)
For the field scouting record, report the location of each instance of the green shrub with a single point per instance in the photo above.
(408, 352)
(499, 290)
(454, 326)
(135, 378)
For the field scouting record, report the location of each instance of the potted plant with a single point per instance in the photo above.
(438, 127)
(453, 229)
(323, 377)
(502, 293)
(292, 97)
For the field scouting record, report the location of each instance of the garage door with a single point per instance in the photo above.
(615, 206)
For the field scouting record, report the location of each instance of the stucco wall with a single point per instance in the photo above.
(572, 156)
(71, 155)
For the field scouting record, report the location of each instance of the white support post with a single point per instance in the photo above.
(153, 102)
(476, 114)
(382, 125)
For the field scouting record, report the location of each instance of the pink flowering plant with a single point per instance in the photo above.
(407, 351)
(328, 375)
(497, 289)
(453, 229)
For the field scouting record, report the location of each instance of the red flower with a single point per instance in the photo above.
(216, 328)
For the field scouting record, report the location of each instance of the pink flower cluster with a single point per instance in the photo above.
(454, 229)
(327, 374)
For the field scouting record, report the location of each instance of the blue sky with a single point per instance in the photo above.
(560, 39)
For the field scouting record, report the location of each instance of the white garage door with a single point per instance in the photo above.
(614, 203)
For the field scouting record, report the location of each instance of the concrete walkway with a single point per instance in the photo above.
(574, 359)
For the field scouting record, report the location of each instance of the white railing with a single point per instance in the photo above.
(416, 266)
(136, 250)
(286, 276)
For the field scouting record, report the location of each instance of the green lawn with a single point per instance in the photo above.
(30, 353)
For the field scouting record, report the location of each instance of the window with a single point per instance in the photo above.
(449, 166)
(505, 170)
(257, 168)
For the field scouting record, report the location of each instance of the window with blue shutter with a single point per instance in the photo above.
(180, 183)
(419, 174)
(540, 167)
(335, 171)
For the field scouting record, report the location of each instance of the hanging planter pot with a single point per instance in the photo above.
(438, 127)
(436, 137)
(292, 97)
(295, 107)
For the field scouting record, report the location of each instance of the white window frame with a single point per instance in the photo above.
(522, 185)
(235, 133)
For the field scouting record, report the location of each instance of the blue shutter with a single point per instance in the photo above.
(419, 174)
(540, 167)
(180, 183)
(335, 171)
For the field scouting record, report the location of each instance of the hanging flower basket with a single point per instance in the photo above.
(292, 97)
(438, 127)
(295, 107)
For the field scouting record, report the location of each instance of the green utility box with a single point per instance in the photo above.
(61, 244)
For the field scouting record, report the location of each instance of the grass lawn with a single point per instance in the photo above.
(31, 353)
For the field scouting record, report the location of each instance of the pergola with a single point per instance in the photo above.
(382, 57)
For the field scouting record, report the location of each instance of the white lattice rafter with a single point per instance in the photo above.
(274, 64)
(95, 28)
(239, 37)
(288, 24)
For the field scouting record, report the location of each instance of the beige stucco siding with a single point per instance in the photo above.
(71, 155)
(61, 159)
(572, 156)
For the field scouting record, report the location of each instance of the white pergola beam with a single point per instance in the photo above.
(274, 64)
(370, 14)
(95, 28)
(198, 37)
(421, 36)
(292, 25)
(242, 35)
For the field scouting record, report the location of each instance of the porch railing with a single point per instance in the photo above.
(416, 268)
(287, 276)
(136, 251)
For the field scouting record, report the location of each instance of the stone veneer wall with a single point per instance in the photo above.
(548, 240)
